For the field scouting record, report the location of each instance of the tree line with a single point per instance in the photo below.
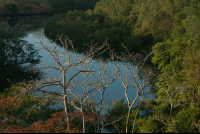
(137, 24)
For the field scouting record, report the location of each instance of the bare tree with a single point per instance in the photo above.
(105, 79)
(82, 64)
(127, 60)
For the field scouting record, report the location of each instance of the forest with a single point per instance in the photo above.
(167, 29)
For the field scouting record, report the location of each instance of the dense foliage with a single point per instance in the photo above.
(27, 113)
(137, 24)
(51, 123)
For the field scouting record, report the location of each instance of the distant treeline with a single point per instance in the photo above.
(43, 6)
(138, 24)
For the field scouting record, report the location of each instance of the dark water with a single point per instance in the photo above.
(26, 28)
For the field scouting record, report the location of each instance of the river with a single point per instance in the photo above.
(26, 27)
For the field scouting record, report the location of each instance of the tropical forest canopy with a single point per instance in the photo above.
(171, 28)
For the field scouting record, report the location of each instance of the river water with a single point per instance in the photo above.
(26, 29)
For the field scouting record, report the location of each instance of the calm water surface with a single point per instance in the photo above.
(27, 28)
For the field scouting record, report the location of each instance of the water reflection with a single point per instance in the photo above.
(20, 26)
(16, 57)
(25, 27)
(12, 22)
(114, 91)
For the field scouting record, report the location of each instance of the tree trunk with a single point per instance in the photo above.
(84, 123)
(67, 112)
(65, 102)
(127, 121)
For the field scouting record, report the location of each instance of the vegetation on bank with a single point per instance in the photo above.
(137, 24)
(171, 28)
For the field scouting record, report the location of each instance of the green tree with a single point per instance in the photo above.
(191, 69)
(169, 56)
(161, 26)
(119, 111)
(178, 60)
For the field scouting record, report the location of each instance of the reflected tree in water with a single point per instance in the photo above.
(16, 58)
